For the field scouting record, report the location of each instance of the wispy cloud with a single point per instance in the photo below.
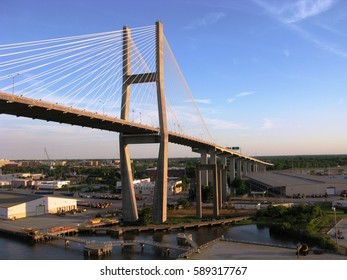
(240, 95)
(291, 13)
(307, 8)
(202, 101)
(208, 19)
(244, 93)
(295, 11)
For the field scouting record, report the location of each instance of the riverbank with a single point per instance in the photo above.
(217, 249)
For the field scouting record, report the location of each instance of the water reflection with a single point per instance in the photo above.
(13, 249)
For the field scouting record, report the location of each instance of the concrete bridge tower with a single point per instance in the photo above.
(130, 213)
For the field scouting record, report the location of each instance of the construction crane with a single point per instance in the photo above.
(49, 160)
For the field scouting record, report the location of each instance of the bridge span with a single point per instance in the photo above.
(215, 159)
(20, 106)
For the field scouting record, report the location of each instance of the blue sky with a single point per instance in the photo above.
(268, 76)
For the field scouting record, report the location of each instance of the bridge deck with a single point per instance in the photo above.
(36, 109)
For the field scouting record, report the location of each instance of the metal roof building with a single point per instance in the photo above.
(18, 205)
(287, 183)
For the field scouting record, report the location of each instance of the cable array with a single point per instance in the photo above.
(184, 116)
(81, 71)
(86, 72)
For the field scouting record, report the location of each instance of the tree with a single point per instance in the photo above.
(241, 186)
(207, 193)
(145, 216)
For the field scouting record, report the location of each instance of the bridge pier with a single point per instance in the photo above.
(130, 213)
(204, 160)
(160, 191)
(212, 161)
(232, 169)
(198, 195)
(239, 169)
(213, 168)
(223, 181)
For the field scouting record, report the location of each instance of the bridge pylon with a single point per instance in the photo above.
(130, 213)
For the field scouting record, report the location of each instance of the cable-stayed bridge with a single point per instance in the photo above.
(116, 81)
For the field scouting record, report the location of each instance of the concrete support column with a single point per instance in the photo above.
(250, 164)
(232, 170)
(198, 195)
(239, 168)
(216, 206)
(213, 160)
(224, 185)
(204, 173)
(215, 189)
(261, 168)
(128, 193)
(160, 191)
(224, 181)
(244, 167)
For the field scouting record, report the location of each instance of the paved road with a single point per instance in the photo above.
(223, 250)
(342, 227)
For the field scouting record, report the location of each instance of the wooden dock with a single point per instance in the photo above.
(96, 249)
(119, 230)
(93, 248)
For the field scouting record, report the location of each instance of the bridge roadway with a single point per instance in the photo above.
(37, 109)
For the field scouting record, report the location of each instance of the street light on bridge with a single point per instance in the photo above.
(13, 76)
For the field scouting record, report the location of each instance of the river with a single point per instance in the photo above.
(13, 249)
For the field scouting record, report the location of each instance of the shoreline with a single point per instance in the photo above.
(216, 249)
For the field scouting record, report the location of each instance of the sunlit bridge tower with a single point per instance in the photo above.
(130, 213)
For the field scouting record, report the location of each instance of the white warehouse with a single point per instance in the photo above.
(16, 205)
(51, 185)
(146, 187)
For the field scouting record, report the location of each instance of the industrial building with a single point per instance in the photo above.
(146, 186)
(16, 205)
(295, 184)
(51, 185)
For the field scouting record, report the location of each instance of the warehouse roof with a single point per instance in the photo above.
(8, 199)
(279, 179)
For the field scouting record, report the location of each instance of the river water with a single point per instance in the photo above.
(13, 249)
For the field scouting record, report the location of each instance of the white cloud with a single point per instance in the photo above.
(203, 101)
(244, 93)
(208, 19)
(292, 13)
(295, 11)
(239, 95)
(303, 9)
